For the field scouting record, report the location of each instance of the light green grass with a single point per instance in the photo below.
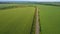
(49, 19)
(8, 5)
(16, 20)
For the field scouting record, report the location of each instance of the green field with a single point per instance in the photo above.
(49, 19)
(6, 5)
(19, 20)
(16, 20)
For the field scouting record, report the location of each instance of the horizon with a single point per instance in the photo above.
(32, 0)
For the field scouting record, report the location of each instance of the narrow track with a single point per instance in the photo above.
(37, 21)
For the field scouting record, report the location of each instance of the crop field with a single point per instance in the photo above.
(16, 20)
(49, 19)
(19, 20)
(6, 5)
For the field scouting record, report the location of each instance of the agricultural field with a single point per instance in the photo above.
(49, 19)
(7, 5)
(19, 20)
(16, 20)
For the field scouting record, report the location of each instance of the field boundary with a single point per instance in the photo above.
(18, 6)
(37, 31)
(33, 24)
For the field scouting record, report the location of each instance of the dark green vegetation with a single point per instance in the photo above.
(16, 20)
(49, 19)
(50, 3)
(8, 6)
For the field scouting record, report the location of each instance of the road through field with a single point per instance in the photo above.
(37, 21)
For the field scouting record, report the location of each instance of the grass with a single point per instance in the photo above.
(19, 20)
(49, 19)
(16, 20)
(6, 5)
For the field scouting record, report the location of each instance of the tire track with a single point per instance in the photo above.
(37, 22)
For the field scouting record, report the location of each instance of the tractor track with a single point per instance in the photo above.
(37, 27)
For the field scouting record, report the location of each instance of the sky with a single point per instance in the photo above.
(35, 0)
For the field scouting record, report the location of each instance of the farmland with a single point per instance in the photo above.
(6, 5)
(16, 20)
(49, 19)
(21, 20)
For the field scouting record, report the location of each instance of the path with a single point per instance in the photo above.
(37, 21)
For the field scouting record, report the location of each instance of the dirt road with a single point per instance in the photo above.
(37, 21)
